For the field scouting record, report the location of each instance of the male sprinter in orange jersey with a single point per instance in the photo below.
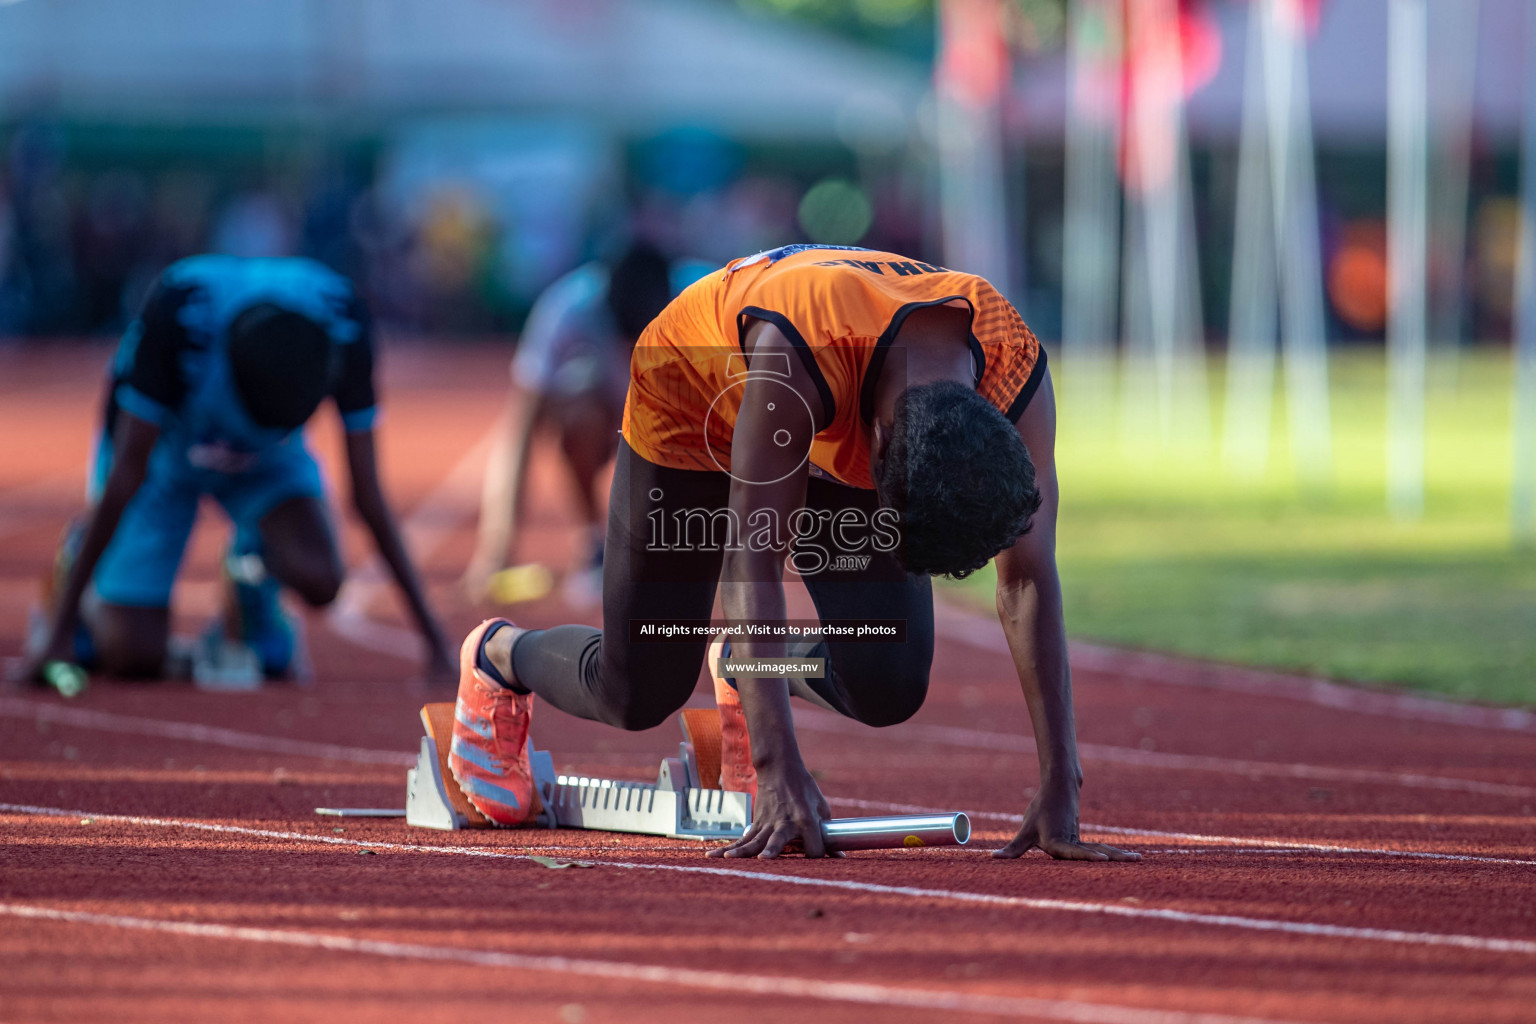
(870, 419)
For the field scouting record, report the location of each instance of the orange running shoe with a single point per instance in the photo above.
(736, 772)
(488, 755)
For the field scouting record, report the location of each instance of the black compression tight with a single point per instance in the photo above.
(635, 683)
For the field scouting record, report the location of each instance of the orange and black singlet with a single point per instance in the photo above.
(841, 309)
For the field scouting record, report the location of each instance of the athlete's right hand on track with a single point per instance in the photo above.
(1050, 824)
(789, 809)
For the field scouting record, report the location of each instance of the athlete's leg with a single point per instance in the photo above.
(877, 683)
(278, 508)
(131, 641)
(611, 675)
(588, 426)
(283, 538)
(299, 549)
(128, 614)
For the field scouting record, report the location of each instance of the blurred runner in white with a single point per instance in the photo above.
(570, 376)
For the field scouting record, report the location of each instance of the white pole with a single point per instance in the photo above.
(1192, 399)
(1251, 315)
(1454, 26)
(1523, 478)
(1157, 124)
(972, 205)
(1138, 404)
(1092, 223)
(1407, 169)
(1293, 176)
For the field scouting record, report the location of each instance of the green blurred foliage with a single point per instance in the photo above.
(1161, 549)
(835, 211)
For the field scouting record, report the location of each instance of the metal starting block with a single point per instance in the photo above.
(678, 805)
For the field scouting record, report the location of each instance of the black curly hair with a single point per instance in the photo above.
(639, 288)
(961, 478)
(282, 364)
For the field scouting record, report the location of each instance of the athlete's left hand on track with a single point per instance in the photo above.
(789, 809)
(1051, 825)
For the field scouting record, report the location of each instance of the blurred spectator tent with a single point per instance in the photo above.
(637, 66)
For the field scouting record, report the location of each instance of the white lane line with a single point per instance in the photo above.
(1173, 850)
(959, 736)
(11, 707)
(432, 521)
(722, 981)
(1320, 773)
(1284, 844)
(978, 630)
(1310, 929)
(1279, 845)
(106, 721)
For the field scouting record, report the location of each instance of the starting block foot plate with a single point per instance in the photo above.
(701, 729)
(433, 798)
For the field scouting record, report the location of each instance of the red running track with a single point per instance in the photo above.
(1312, 853)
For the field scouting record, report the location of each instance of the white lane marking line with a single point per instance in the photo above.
(1217, 849)
(1311, 929)
(959, 736)
(724, 981)
(432, 521)
(981, 631)
(1285, 844)
(106, 721)
(1279, 845)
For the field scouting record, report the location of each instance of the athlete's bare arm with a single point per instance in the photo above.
(368, 499)
(132, 441)
(1029, 605)
(771, 442)
(506, 474)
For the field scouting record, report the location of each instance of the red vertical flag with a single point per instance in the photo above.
(973, 66)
